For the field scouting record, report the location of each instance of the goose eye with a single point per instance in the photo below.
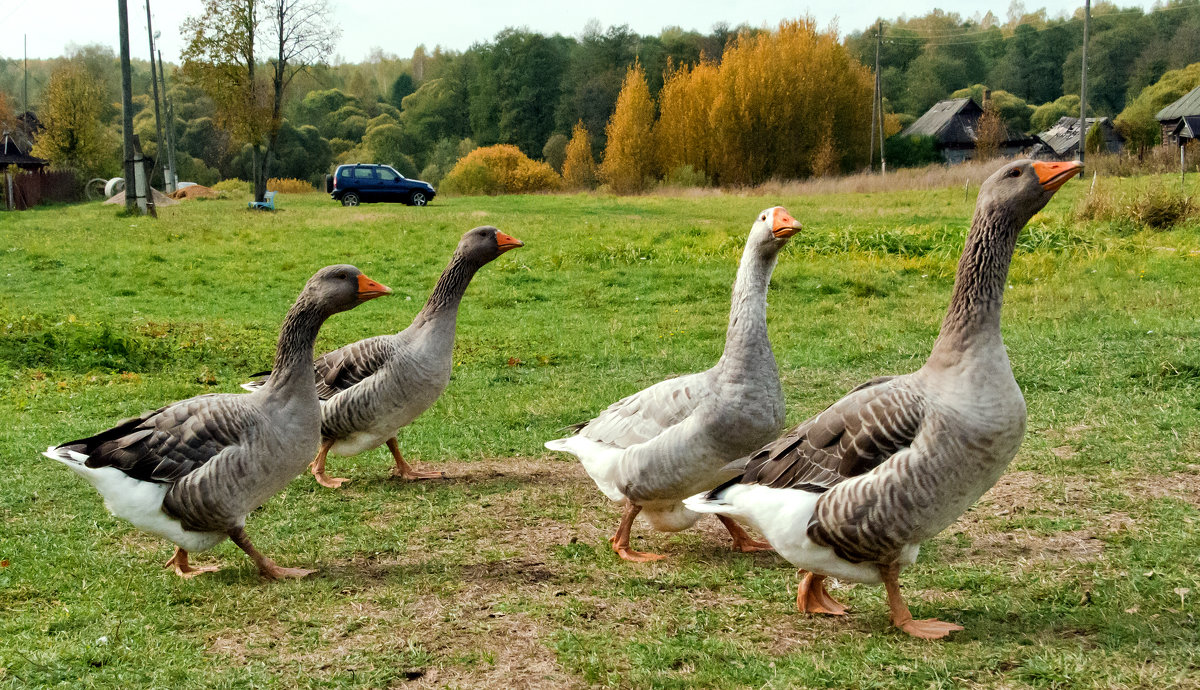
(1015, 172)
(763, 217)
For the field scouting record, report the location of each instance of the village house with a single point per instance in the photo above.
(953, 124)
(1061, 141)
(1181, 119)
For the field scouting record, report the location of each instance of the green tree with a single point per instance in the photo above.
(1136, 122)
(1046, 114)
(401, 87)
(75, 135)
(555, 151)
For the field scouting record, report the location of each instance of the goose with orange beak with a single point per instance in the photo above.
(658, 446)
(853, 492)
(372, 388)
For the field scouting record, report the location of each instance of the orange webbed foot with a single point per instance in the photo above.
(929, 628)
(811, 597)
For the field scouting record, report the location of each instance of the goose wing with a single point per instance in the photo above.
(346, 366)
(648, 413)
(849, 438)
(171, 442)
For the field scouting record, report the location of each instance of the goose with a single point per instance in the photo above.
(852, 492)
(372, 388)
(192, 471)
(665, 443)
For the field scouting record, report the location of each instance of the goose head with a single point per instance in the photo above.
(483, 244)
(341, 287)
(772, 229)
(1022, 188)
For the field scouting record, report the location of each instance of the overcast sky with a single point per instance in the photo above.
(398, 26)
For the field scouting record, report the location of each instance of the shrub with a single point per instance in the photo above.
(911, 152)
(290, 185)
(234, 185)
(579, 168)
(555, 152)
(500, 169)
(1156, 207)
(686, 176)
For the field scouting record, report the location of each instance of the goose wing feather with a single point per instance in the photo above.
(346, 366)
(648, 413)
(849, 438)
(171, 442)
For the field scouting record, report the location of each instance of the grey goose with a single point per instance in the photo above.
(852, 492)
(192, 471)
(372, 388)
(665, 443)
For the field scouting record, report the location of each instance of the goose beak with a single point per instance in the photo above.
(369, 289)
(785, 226)
(1054, 175)
(507, 242)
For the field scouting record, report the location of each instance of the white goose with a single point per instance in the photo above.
(852, 492)
(657, 447)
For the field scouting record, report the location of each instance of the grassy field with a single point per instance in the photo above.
(1080, 569)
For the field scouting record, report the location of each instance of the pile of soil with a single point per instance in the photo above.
(196, 191)
(160, 199)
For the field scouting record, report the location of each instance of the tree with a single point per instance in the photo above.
(990, 133)
(1046, 114)
(1136, 122)
(579, 168)
(629, 156)
(682, 135)
(555, 151)
(221, 55)
(401, 87)
(74, 134)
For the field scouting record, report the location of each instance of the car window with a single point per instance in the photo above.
(364, 173)
(345, 172)
(387, 170)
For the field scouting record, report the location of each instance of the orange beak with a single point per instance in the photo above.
(507, 242)
(1054, 175)
(785, 226)
(369, 289)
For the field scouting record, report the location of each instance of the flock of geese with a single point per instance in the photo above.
(850, 493)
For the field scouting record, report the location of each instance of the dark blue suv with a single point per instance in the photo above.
(364, 183)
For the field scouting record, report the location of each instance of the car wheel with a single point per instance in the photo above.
(349, 199)
(418, 199)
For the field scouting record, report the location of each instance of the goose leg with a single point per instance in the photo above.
(811, 596)
(179, 563)
(620, 540)
(742, 541)
(266, 567)
(403, 469)
(928, 629)
(318, 467)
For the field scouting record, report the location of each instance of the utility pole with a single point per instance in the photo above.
(874, 105)
(1087, 19)
(170, 111)
(131, 190)
(160, 144)
(25, 93)
(879, 94)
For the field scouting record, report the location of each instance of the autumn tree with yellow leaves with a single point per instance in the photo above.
(682, 136)
(628, 165)
(579, 168)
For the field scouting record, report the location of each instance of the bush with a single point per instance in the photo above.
(686, 176)
(579, 168)
(555, 152)
(911, 152)
(234, 185)
(500, 169)
(1156, 207)
(290, 186)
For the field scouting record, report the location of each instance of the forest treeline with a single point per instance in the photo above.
(716, 105)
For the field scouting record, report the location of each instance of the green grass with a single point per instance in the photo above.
(1082, 569)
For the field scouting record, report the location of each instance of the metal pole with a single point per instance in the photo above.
(160, 146)
(126, 106)
(170, 108)
(1087, 19)
(25, 93)
(874, 104)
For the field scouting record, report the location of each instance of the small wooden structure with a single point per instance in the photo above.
(1171, 117)
(1061, 141)
(954, 124)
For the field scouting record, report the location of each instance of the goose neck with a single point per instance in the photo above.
(972, 322)
(448, 292)
(294, 350)
(746, 338)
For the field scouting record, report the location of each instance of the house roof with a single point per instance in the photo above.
(11, 153)
(1188, 105)
(950, 122)
(1188, 127)
(1064, 134)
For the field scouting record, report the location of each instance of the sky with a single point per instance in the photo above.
(397, 26)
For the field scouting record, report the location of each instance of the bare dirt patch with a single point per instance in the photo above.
(1184, 486)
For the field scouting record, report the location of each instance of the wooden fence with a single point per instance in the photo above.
(23, 190)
